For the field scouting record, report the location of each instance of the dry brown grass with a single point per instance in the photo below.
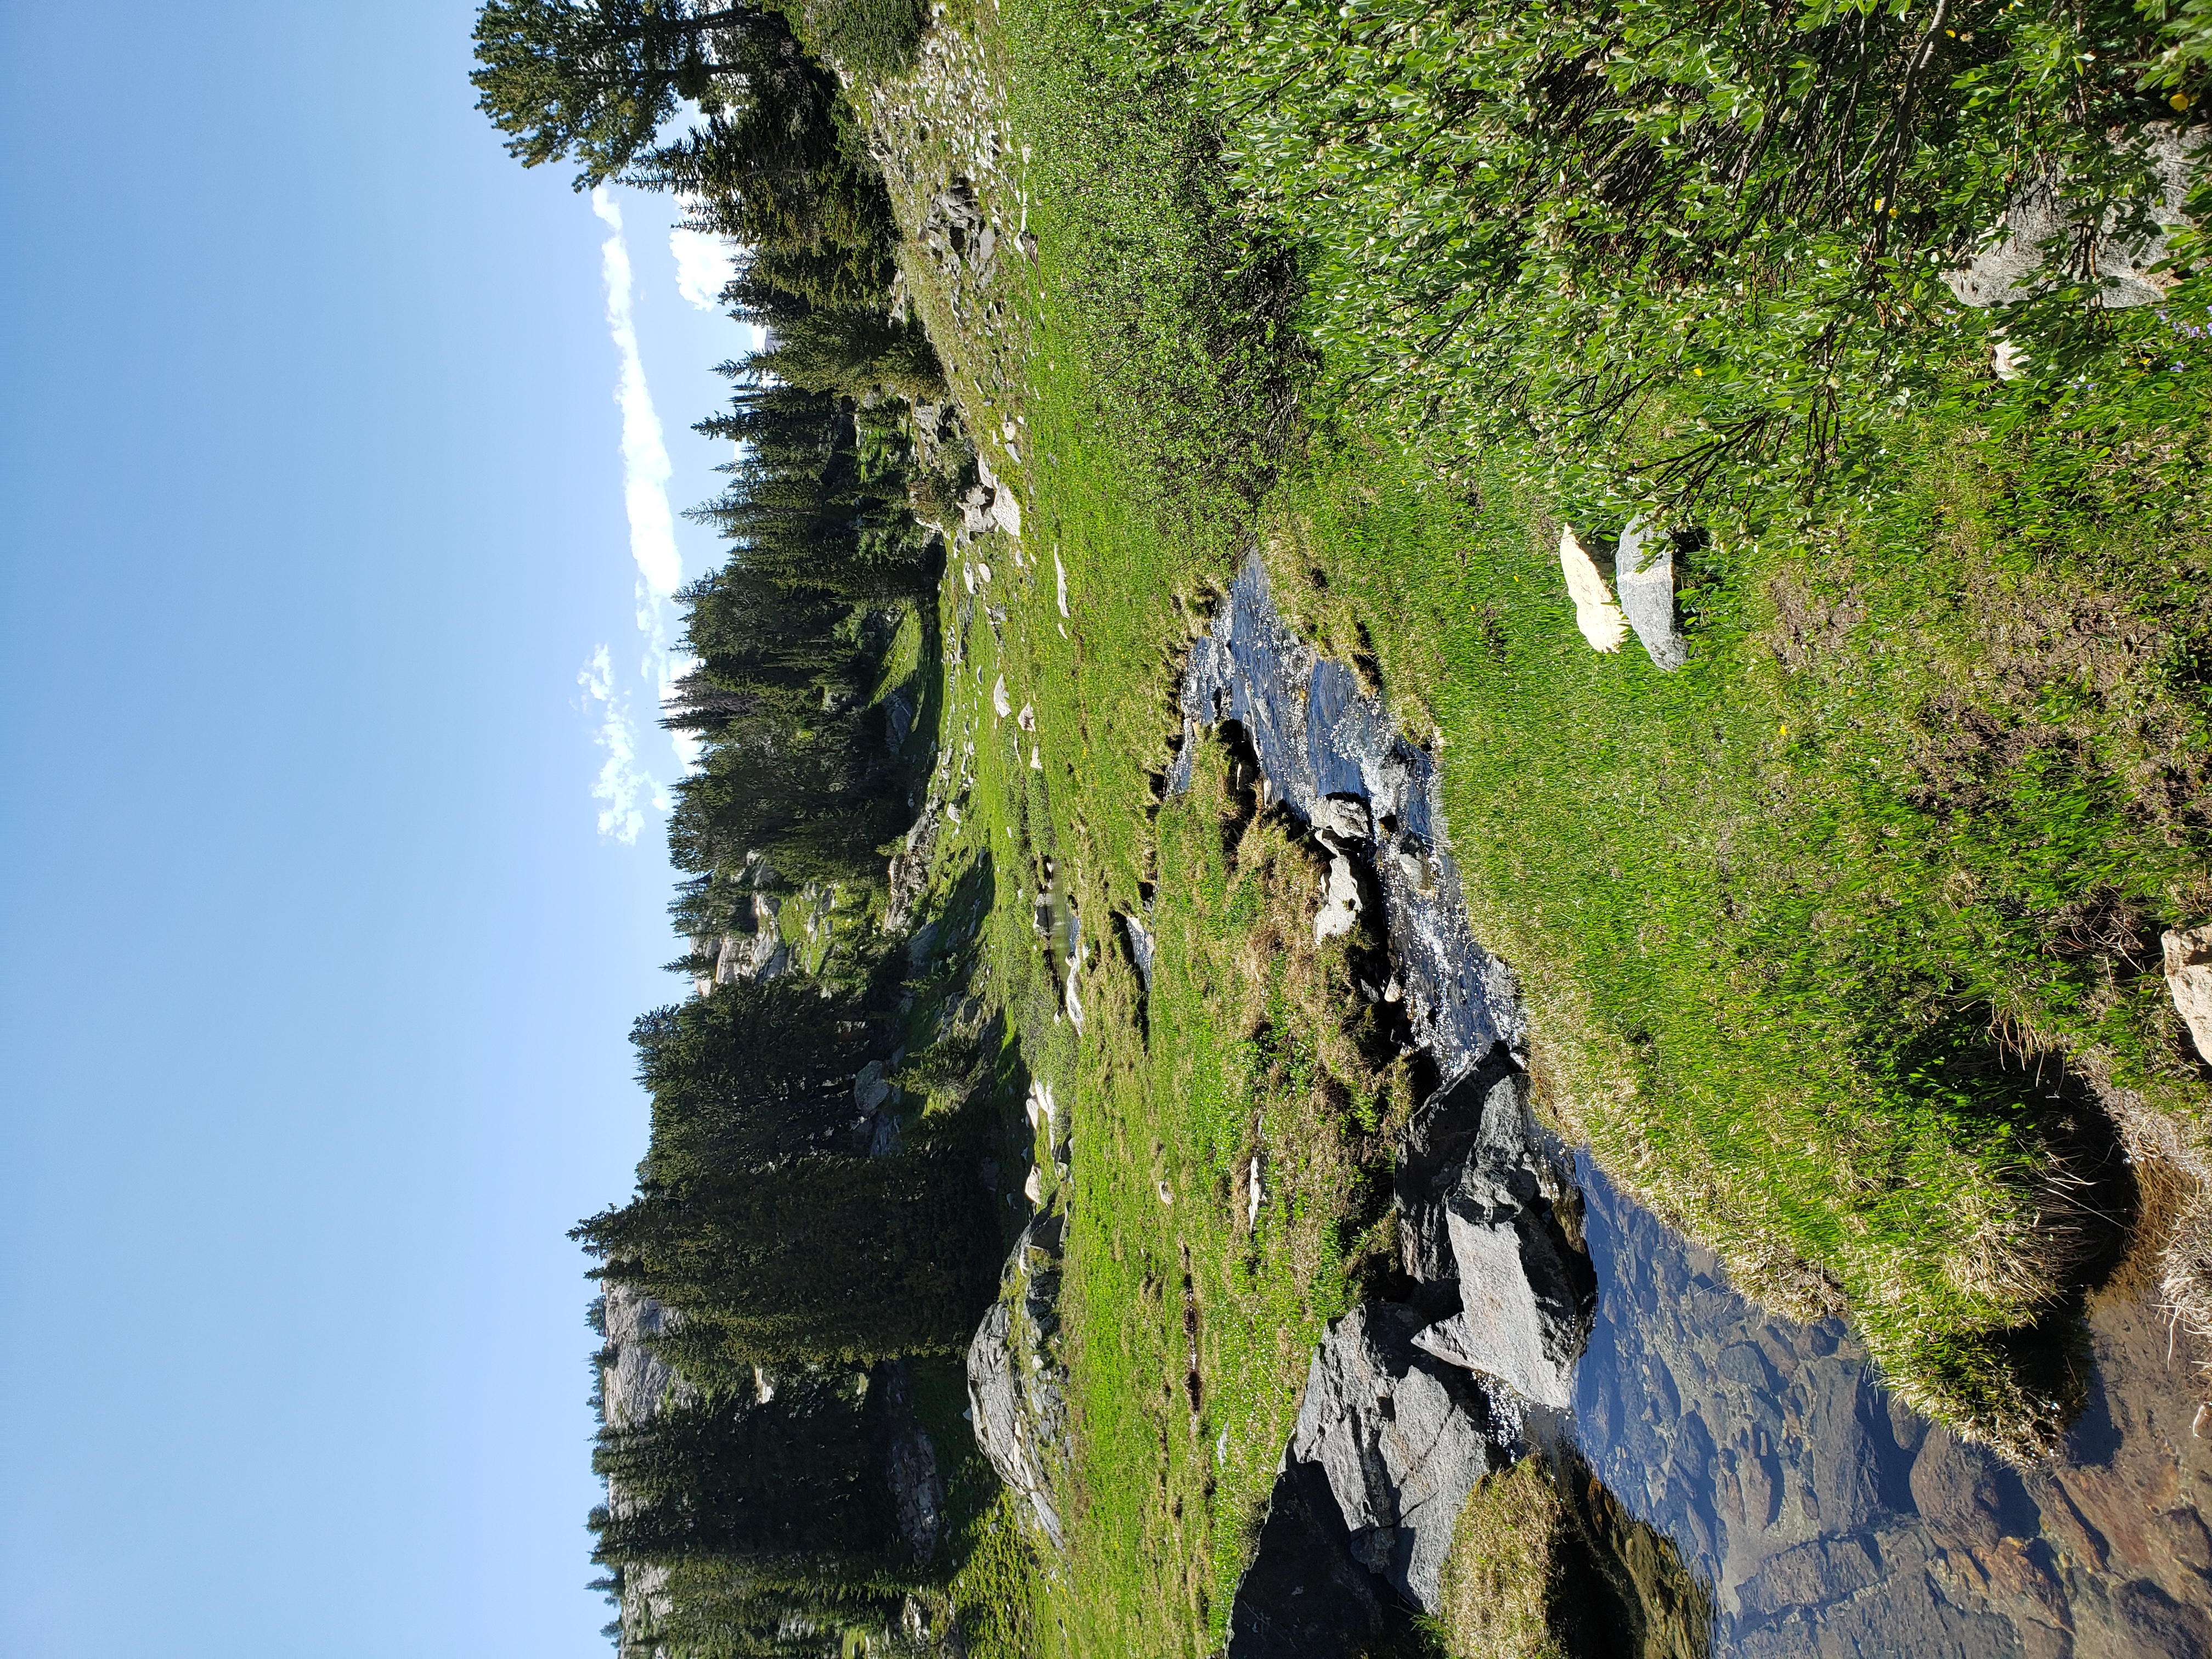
(1504, 1567)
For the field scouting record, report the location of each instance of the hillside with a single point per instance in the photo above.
(1524, 743)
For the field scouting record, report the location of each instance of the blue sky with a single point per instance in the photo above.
(315, 965)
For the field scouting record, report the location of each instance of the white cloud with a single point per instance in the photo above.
(623, 785)
(704, 265)
(645, 457)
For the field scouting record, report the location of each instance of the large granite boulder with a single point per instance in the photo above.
(2008, 266)
(1400, 1437)
(1017, 1385)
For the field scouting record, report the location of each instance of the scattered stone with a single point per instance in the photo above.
(1141, 946)
(1016, 1382)
(1595, 614)
(1254, 1193)
(1060, 575)
(2188, 980)
(1644, 570)
(1342, 906)
(1033, 1188)
(1005, 512)
(1001, 704)
(1167, 1193)
(1399, 1435)
(1027, 719)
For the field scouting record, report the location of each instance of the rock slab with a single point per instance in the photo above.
(2189, 979)
(1016, 1382)
(1399, 1435)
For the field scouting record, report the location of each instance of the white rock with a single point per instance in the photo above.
(2189, 978)
(1033, 1188)
(1339, 901)
(1059, 572)
(1345, 818)
(1000, 702)
(1595, 614)
(1027, 719)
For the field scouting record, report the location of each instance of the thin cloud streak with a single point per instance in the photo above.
(624, 785)
(646, 471)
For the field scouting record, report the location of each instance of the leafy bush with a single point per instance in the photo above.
(1691, 248)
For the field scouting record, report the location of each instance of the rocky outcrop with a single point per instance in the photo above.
(1481, 1191)
(1016, 1382)
(910, 1467)
(1527, 1297)
(2009, 266)
(1400, 1438)
(875, 1101)
(634, 1384)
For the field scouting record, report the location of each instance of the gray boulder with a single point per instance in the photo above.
(1527, 1297)
(1399, 1435)
(2010, 265)
(1643, 577)
(1478, 1184)
(1015, 1381)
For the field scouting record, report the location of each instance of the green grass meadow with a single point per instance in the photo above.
(1832, 941)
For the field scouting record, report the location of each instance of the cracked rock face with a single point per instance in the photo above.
(1016, 1382)
(1399, 1435)
(1479, 1190)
